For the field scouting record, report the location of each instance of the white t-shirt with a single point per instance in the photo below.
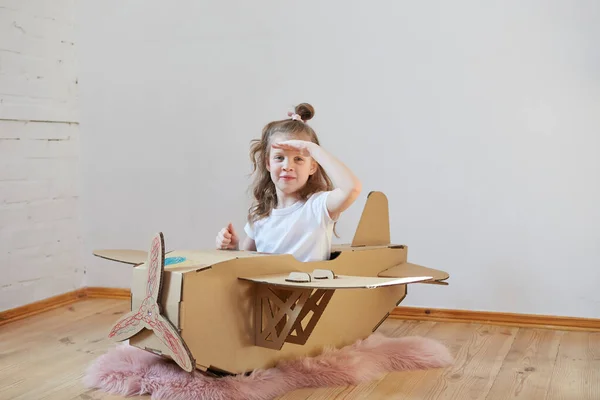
(303, 229)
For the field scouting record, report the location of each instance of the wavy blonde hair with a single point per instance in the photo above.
(263, 188)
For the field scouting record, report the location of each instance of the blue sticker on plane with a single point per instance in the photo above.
(174, 260)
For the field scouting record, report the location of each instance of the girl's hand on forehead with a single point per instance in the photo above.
(304, 147)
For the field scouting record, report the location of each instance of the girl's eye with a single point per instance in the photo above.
(299, 159)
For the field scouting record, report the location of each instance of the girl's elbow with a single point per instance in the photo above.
(358, 186)
(357, 189)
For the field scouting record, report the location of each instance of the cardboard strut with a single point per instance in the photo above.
(234, 311)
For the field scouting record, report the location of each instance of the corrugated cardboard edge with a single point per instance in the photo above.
(126, 256)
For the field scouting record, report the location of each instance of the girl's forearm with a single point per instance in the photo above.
(341, 176)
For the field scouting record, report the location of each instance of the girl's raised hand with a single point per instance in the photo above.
(304, 147)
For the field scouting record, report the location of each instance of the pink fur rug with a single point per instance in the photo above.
(126, 370)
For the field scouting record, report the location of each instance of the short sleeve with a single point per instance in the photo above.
(319, 207)
(249, 229)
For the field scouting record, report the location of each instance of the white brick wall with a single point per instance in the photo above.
(40, 244)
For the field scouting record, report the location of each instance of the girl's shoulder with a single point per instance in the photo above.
(317, 203)
(318, 197)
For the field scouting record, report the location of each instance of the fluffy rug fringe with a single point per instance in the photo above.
(128, 371)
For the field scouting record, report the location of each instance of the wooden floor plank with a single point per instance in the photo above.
(22, 350)
(528, 366)
(479, 351)
(576, 374)
(51, 364)
(44, 357)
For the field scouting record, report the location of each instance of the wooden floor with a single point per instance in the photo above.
(44, 357)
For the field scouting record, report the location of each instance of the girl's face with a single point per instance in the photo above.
(289, 168)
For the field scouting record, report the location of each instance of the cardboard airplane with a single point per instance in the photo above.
(233, 311)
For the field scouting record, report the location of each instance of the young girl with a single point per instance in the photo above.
(296, 205)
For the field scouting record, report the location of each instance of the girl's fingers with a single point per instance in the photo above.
(231, 230)
(225, 233)
(223, 239)
(286, 147)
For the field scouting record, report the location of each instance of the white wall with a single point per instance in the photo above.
(484, 124)
(40, 246)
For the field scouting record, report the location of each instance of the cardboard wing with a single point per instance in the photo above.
(134, 257)
(278, 314)
(305, 280)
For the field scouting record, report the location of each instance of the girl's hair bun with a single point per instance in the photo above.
(305, 111)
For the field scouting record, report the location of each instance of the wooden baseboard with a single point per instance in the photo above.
(497, 318)
(107, 293)
(401, 312)
(62, 300)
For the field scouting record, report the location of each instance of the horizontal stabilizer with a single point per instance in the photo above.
(406, 270)
(133, 257)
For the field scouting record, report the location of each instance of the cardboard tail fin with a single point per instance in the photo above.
(374, 225)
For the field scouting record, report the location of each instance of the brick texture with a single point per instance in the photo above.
(40, 242)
